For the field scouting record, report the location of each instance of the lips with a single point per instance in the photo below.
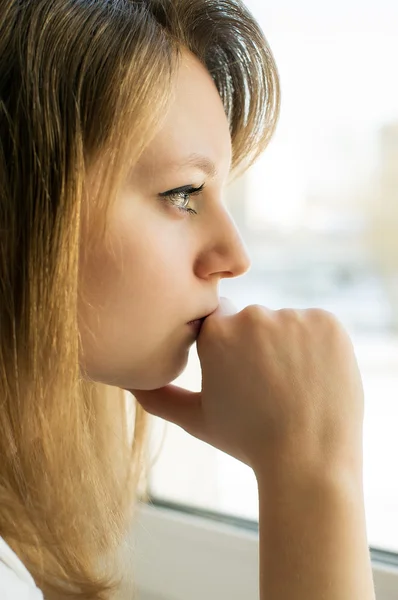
(201, 319)
(196, 321)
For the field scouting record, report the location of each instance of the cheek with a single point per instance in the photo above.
(138, 281)
(137, 299)
(159, 254)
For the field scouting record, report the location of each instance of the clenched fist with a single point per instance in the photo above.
(278, 387)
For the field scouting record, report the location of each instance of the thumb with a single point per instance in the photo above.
(174, 404)
(225, 308)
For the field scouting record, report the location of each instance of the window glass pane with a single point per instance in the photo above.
(319, 214)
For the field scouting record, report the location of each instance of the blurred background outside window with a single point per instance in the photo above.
(319, 215)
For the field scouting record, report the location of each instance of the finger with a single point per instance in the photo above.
(225, 308)
(175, 404)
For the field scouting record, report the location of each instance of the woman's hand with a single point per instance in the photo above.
(282, 392)
(277, 387)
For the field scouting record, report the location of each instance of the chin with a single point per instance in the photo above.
(144, 381)
(145, 377)
(154, 381)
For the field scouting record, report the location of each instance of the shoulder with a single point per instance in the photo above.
(15, 579)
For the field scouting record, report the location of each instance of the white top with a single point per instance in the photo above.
(16, 583)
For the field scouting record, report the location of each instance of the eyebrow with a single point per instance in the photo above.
(199, 161)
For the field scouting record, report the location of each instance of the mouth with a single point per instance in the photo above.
(196, 325)
(197, 322)
(200, 320)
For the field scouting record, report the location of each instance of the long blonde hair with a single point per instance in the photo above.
(85, 82)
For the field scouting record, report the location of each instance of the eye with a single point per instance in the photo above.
(180, 197)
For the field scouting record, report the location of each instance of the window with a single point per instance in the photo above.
(320, 218)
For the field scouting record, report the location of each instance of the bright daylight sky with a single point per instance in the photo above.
(337, 62)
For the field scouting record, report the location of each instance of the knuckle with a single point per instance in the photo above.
(319, 314)
(325, 318)
(255, 312)
(290, 314)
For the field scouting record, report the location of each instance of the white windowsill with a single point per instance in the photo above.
(183, 557)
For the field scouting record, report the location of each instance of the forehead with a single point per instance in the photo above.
(195, 130)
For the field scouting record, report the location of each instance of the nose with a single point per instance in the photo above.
(224, 254)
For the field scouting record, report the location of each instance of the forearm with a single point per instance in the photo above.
(313, 542)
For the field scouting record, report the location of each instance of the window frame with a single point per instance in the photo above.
(175, 547)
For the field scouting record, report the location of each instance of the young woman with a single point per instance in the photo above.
(121, 123)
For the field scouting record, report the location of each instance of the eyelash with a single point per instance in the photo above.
(184, 191)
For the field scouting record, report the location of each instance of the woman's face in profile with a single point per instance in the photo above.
(166, 263)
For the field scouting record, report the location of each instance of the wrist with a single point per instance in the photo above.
(313, 539)
(303, 477)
